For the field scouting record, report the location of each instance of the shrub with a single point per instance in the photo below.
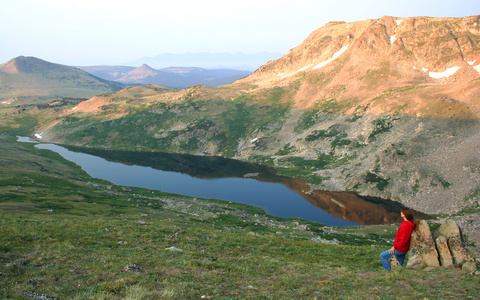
(374, 178)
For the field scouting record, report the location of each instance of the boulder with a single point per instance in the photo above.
(446, 259)
(444, 249)
(423, 252)
(448, 229)
(469, 267)
(459, 254)
(415, 258)
(452, 233)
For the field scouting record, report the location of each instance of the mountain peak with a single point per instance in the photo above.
(413, 44)
(145, 67)
(138, 74)
(29, 65)
(360, 61)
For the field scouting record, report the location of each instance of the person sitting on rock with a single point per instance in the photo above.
(402, 240)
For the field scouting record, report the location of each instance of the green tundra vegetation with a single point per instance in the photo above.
(67, 235)
(366, 122)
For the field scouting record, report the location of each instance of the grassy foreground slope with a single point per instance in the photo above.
(67, 235)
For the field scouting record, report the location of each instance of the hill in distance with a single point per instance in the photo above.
(111, 73)
(172, 77)
(33, 78)
(219, 60)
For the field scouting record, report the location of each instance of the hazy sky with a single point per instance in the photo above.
(92, 32)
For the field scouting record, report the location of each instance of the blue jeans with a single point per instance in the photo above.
(385, 255)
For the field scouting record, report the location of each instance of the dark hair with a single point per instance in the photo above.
(408, 213)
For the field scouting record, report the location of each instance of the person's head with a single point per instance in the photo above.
(408, 213)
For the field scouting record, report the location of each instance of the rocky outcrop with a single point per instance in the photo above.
(423, 252)
(461, 258)
(444, 255)
(444, 249)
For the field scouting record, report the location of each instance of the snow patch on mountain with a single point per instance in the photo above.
(477, 68)
(337, 54)
(393, 38)
(299, 70)
(447, 73)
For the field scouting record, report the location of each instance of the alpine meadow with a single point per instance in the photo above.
(386, 108)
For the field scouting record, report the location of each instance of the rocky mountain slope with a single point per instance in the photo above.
(385, 108)
(32, 78)
(417, 66)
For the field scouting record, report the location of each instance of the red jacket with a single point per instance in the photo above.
(402, 238)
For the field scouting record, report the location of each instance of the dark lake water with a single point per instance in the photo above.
(230, 180)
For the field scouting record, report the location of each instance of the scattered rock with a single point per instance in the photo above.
(469, 268)
(394, 262)
(176, 234)
(141, 223)
(173, 249)
(38, 296)
(134, 268)
(304, 227)
(32, 282)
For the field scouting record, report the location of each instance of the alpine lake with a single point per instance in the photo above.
(229, 180)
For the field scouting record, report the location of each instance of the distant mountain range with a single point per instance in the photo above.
(32, 78)
(220, 60)
(173, 77)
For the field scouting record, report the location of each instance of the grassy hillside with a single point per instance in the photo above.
(67, 235)
(29, 79)
(417, 161)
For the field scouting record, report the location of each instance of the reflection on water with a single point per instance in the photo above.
(342, 205)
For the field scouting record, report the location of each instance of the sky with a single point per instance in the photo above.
(116, 32)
